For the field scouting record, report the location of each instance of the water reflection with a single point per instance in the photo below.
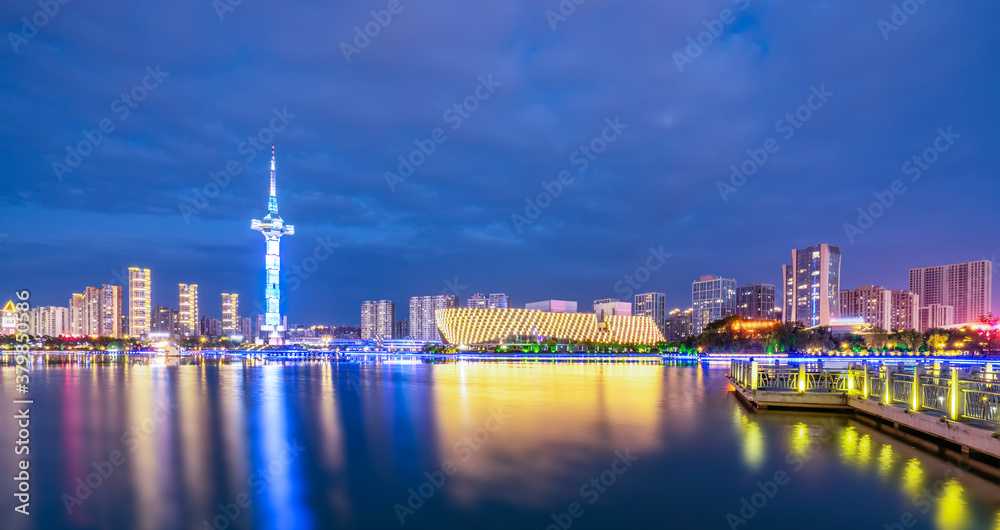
(750, 434)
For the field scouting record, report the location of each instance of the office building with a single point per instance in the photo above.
(756, 301)
(140, 288)
(528, 326)
(870, 303)
(967, 287)
(166, 322)
(812, 285)
(905, 310)
(423, 319)
(680, 325)
(652, 305)
(190, 324)
(611, 306)
(933, 316)
(230, 314)
(712, 298)
(378, 319)
(553, 306)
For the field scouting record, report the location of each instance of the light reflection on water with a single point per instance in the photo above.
(374, 432)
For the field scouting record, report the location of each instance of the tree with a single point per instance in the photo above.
(937, 340)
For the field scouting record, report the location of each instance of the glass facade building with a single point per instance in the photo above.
(812, 285)
(712, 298)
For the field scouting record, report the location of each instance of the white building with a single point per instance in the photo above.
(140, 310)
(935, 316)
(423, 321)
(905, 310)
(378, 319)
(611, 306)
(553, 306)
(652, 305)
(872, 303)
(967, 287)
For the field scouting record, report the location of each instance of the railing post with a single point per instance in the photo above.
(753, 375)
(957, 398)
(918, 395)
(801, 383)
(888, 384)
(867, 392)
(850, 379)
(989, 372)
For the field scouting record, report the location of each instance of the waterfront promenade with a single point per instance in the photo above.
(951, 404)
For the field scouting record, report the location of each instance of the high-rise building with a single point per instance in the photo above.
(92, 314)
(77, 324)
(423, 322)
(552, 306)
(871, 303)
(905, 310)
(935, 316)
(211, 328)
(402, 328)
(112, 319)
(756, 301)
(273, 227)
(378, 319)
(166, 322)
(680, 325)
(140, 288)
(652, 305)
(967, 287)
(476, 301)
(246, 327)
(712, 298)
(230, 314)
(812, 285)
(499, 301)
(611, 306)
(493, 301)
(49, 321)
(189, 310)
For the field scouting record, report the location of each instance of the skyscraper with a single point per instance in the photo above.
(712, 298)
(812, 285)
(498, 301)
(402, 328)
(92, 314)
(968, 287)
(230, 314)
(423, 322)
(166, 322)
(905, 310)
(49, 321)
(477, 301)
(273, 227)
(77, 322)
(652, 305)
(680, 325)
(378, 319)
(140, 287)
(112, 320)
(756, 301)
(189, 322)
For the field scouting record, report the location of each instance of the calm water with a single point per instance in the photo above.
(325, 445)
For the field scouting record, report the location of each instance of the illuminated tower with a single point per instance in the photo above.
(139, 288)
(273, 228)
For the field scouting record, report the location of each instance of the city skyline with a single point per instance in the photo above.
(179, 208)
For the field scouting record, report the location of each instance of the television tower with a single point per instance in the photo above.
(273, 228)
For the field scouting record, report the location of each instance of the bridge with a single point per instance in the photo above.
(949, 403)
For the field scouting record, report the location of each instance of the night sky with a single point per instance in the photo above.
(349, 107)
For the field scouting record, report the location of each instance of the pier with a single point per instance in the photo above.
(951, 404)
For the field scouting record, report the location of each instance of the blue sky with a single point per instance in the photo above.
(345, 119)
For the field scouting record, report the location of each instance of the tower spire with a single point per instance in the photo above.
(272, 202)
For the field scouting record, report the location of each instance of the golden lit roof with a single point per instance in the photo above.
(9, 306)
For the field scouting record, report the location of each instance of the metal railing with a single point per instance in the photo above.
(916, 386)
